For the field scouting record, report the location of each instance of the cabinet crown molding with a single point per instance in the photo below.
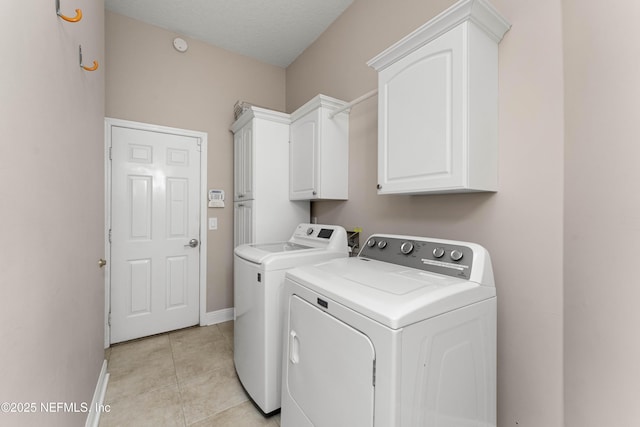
(259, 113)
(318, 101)
(480, 12)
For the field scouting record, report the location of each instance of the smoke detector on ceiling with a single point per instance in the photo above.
(180, 44)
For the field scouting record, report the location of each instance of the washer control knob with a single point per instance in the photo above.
(406, 248)
(456, 255)
(382, 244)
(438, 252)
(309, 231)
(371, 242)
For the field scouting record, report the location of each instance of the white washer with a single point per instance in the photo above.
(259, 271)
(404, 334)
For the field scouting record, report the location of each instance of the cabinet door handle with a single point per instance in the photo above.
(314, 193)
(379, 187)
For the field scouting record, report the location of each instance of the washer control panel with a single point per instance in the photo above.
(436, 256)
(315, 231)
(329, 237)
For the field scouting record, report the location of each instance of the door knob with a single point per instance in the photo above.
(193, 243)
(102, 262)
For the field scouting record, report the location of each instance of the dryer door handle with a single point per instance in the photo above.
(294, 347)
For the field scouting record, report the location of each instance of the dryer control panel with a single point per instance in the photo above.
(434, 255)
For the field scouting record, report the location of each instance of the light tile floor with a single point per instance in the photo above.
(181, 378)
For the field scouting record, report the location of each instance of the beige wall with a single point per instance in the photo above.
(568, 101)
(521, 224)
(51, 209)
(602, 223)
(149, 81)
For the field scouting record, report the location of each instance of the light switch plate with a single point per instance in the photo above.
(213, 223)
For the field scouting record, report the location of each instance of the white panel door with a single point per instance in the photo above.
(155, 223)
(330, 368)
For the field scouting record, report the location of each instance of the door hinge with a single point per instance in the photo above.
(109, 235)
(109, 319)
(110, 158)
(374, 372)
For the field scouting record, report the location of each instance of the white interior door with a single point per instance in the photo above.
(155, 232)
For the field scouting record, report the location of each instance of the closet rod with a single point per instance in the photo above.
(348, 105)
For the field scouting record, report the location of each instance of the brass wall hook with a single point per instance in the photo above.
(76, 18)
(95, 63)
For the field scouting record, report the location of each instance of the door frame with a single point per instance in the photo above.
(202, 136)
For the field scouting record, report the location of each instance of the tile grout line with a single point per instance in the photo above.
(175, 372)
(195, 379)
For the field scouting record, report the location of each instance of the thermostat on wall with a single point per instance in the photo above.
(180, 44)
(216, 198)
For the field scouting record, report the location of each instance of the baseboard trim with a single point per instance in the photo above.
(219, 316)
(97, 403)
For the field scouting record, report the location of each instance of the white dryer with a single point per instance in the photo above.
(404, 334)
(259, 271)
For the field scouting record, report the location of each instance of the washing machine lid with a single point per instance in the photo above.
(258, 253)
(279, 247)
(391, 294)
(307, 239)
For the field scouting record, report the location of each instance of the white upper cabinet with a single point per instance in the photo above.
(262, 209)
(438, 104)
(319, 151)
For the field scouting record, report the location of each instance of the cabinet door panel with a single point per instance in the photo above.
(246, 186)
(421, 118)
(243, 223)
(237, 164)
(243, 164)
(426, 132)
(303, 157)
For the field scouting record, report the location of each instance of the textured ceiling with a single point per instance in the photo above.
(272, 31)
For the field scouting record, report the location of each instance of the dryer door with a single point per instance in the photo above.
(330, 368)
